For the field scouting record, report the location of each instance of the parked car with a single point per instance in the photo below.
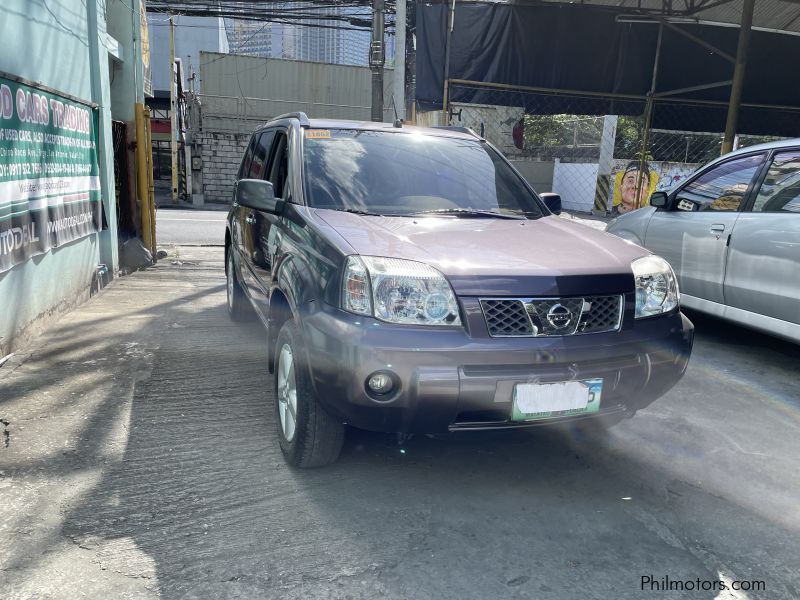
(732, 235)
(411, 281)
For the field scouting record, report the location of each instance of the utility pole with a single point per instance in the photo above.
(648, 117)
(742, 51)
(173, 113)
(400, 58)
(377, 57)
(451, 17)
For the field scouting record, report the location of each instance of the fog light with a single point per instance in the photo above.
(380, 383)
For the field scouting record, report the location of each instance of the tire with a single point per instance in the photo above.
(238, 307)
(316, 438)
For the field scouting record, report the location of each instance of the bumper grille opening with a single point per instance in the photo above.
(485, 416)
(477, 420)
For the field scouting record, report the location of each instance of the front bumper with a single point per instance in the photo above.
(456, 379)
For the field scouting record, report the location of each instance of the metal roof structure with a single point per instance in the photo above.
(684, 60)
(778, 16)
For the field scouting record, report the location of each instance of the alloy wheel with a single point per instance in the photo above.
(287, 392)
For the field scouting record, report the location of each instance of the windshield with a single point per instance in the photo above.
(395, 173)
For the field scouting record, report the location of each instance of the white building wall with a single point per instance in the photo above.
(575, 183)
(64, 46)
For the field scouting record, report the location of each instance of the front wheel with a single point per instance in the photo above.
(308, 435)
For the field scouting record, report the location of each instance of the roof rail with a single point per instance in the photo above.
(458, 128)
(299, 115)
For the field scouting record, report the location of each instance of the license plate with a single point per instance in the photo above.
(533, 401)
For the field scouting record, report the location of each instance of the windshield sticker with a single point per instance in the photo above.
(318, 134)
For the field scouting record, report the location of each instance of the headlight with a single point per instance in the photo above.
(398, 291)
(656, 286)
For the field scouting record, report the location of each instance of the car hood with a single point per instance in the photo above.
(497, 256)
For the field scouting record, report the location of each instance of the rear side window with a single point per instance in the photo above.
(721, 188)
(780, 191)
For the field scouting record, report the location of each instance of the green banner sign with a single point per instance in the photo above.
(49, 175)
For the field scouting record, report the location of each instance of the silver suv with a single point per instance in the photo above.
(732, 234)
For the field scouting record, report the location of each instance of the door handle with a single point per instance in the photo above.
(250, 220)
(717, 228)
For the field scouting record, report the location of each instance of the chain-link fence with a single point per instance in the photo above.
(596, 152)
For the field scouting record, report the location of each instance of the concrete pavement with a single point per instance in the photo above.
(140, 461)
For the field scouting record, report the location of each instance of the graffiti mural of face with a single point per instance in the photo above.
(628, 190)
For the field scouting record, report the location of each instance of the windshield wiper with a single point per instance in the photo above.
(468, 212)
(358, 211)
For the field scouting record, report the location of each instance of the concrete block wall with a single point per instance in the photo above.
(222, 154)
(537, 173)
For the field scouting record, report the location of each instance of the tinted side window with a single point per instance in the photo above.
(721, 188)
(260, 152)
(248, 155)
(780, 191)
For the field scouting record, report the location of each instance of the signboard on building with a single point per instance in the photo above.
(49, 175)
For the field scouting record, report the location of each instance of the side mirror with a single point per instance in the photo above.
(552, 202)
(659, 199)
(258, 195)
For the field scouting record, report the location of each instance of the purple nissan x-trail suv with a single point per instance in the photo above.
(411, 281)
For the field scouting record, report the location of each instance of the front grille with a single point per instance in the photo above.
(533, 317)
(506, 317)
(604, 315)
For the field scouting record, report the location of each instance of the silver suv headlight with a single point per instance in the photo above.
(398, 291)
(656, 286)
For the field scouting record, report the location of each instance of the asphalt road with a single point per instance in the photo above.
(190, 227)
(142, 462)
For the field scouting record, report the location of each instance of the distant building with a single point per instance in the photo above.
(255, 38)
(332, 40)
(192, 34)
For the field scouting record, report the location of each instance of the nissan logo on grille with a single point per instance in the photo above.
(559, 316)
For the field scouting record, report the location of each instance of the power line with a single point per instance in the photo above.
(247, 6)
(267, 10)
(309, 19)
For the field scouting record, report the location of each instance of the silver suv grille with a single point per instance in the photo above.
(509, 317)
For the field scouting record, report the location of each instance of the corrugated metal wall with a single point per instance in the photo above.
(239, 91)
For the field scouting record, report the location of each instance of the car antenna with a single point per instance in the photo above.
(398, 122)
